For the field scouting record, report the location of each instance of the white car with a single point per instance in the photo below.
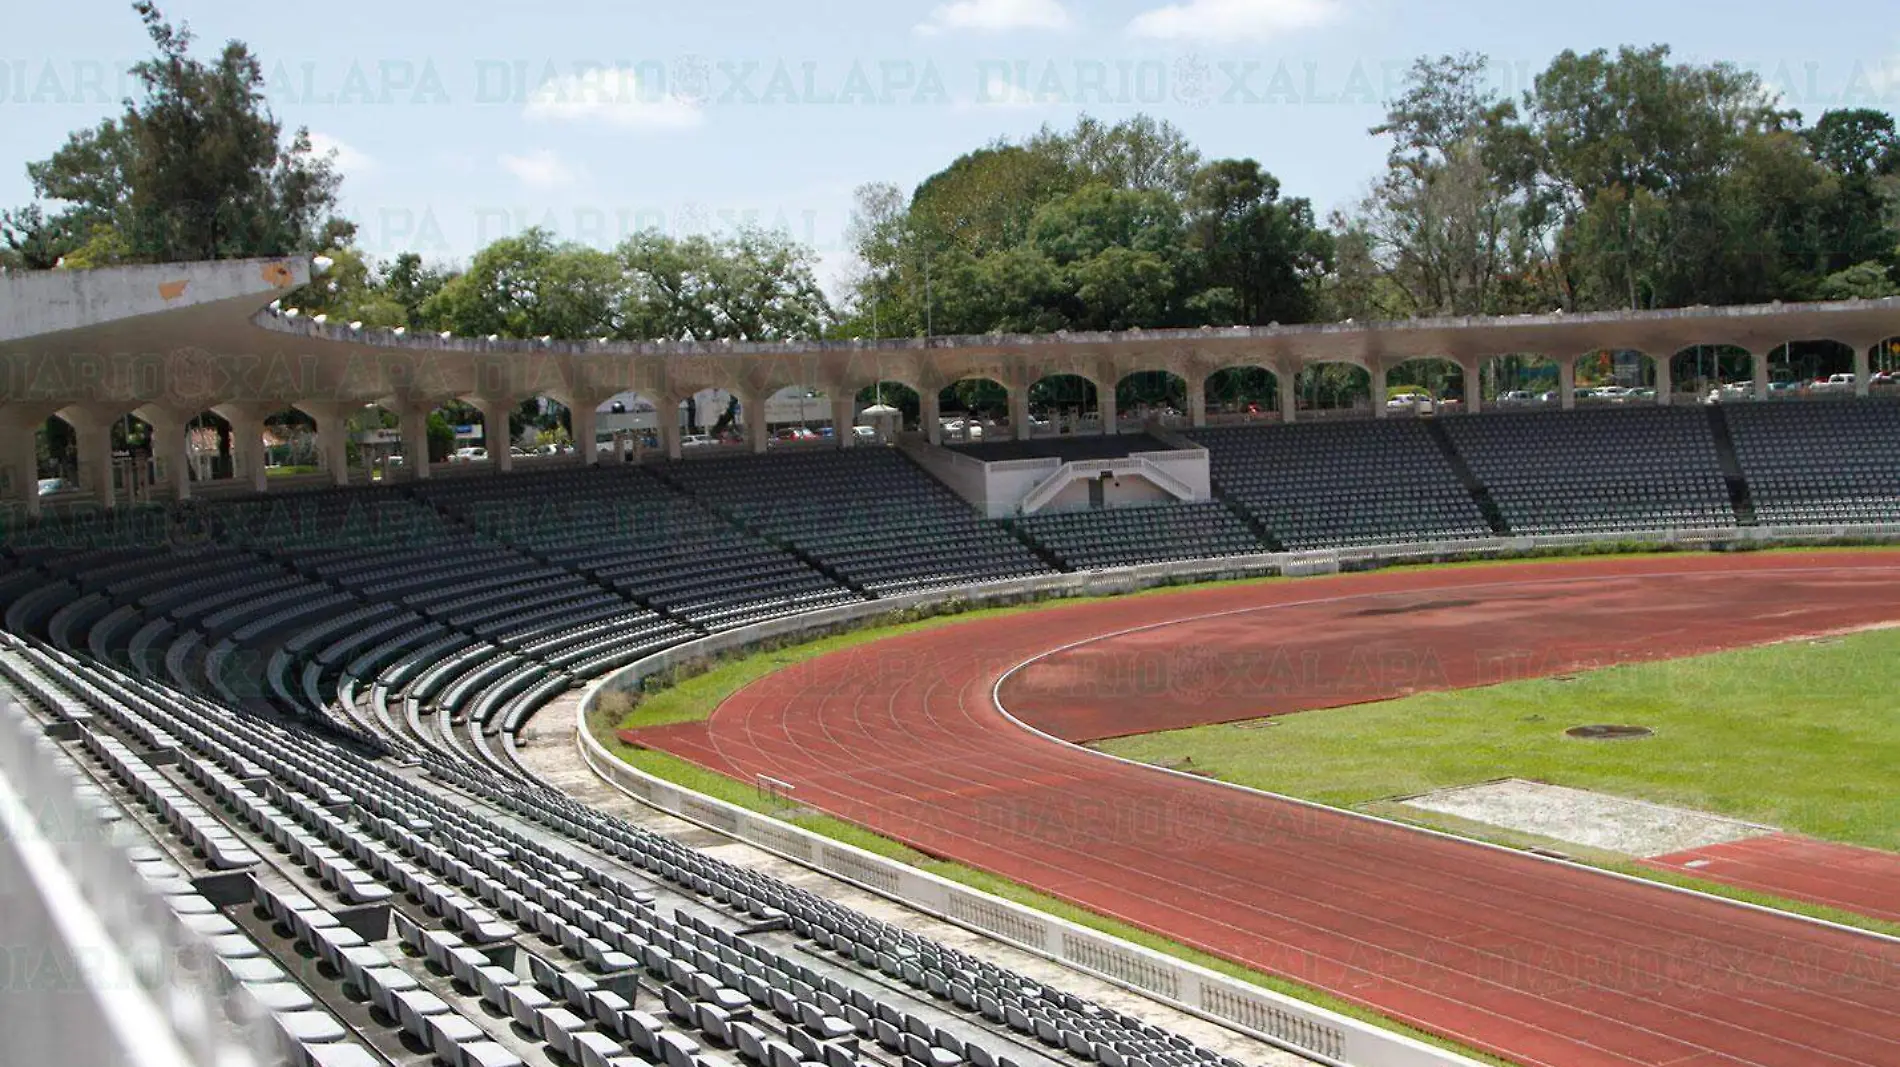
(471, 454)
(864, 433)
(1409, 402)
(1515, 396)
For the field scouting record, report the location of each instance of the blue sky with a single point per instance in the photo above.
(456, 123)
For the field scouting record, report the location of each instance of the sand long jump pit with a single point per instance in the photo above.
(1587, 819)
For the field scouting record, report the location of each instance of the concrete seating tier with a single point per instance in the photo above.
(1325, 485)
(1563, 472)
(866, 514)
(627, 529)
(1845, 473)
(464, 918)
(1085, 540)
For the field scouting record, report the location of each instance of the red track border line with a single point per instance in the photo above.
(1612, 969)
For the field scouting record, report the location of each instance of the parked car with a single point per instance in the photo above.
(696, 440)
(469, 454)
(1419, 402)
(1552, 397)
(864, 433)
(49, 486)
(1515, 396)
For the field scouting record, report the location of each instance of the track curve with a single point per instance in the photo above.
(1532, 961)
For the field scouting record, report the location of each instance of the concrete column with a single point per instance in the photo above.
(844, 410)
(930, 413)
(1863, 367)
(1760, 362)
(584, 426)
(169, 451)
(1473, 370)
(414, 427)
(1196, 399)
(495, 436)
(333, 438)
(752, 409)
(93, 435)
(1287, 383)
(1378, 390)
(1019, 412)
(668, 413)
(247, 445)
(1665, 381)
(1566, 384)
(20, 460)
(1105, 405)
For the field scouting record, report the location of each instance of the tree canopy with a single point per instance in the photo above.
(1618, 180)
(196, 168)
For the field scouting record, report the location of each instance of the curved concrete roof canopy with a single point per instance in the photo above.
(195, 336)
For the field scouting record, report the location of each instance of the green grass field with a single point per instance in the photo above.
(1803, 735)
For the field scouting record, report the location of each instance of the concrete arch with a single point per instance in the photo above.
(1524, 379)
(1704, 371)
(1620, 376)
(1438, 377)
(893, 393)
(1067, 402)
(1158, 393)
(210, 449)
(1241, 393)
(969, 408)
(1806, 367)
(1333, 388)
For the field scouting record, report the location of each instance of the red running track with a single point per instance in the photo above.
(1865, 881)
(1532, 961)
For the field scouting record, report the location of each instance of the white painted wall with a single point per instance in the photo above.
(37, 302)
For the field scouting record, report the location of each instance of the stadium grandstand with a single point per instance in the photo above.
(283, 716)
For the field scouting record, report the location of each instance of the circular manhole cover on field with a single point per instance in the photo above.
(1608, 733)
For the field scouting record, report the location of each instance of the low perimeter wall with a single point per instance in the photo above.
(1281, 1020)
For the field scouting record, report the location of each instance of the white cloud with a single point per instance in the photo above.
(612, 96)
(995, 15)
(541, 169)
(347, 159)
(1229, 21)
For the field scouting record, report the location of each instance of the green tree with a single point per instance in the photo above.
(1261, 257)
(197, 168)
(1446, 223)
(1138, 153)
(528, 285)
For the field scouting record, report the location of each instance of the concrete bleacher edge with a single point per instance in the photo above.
(1258, 1012)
